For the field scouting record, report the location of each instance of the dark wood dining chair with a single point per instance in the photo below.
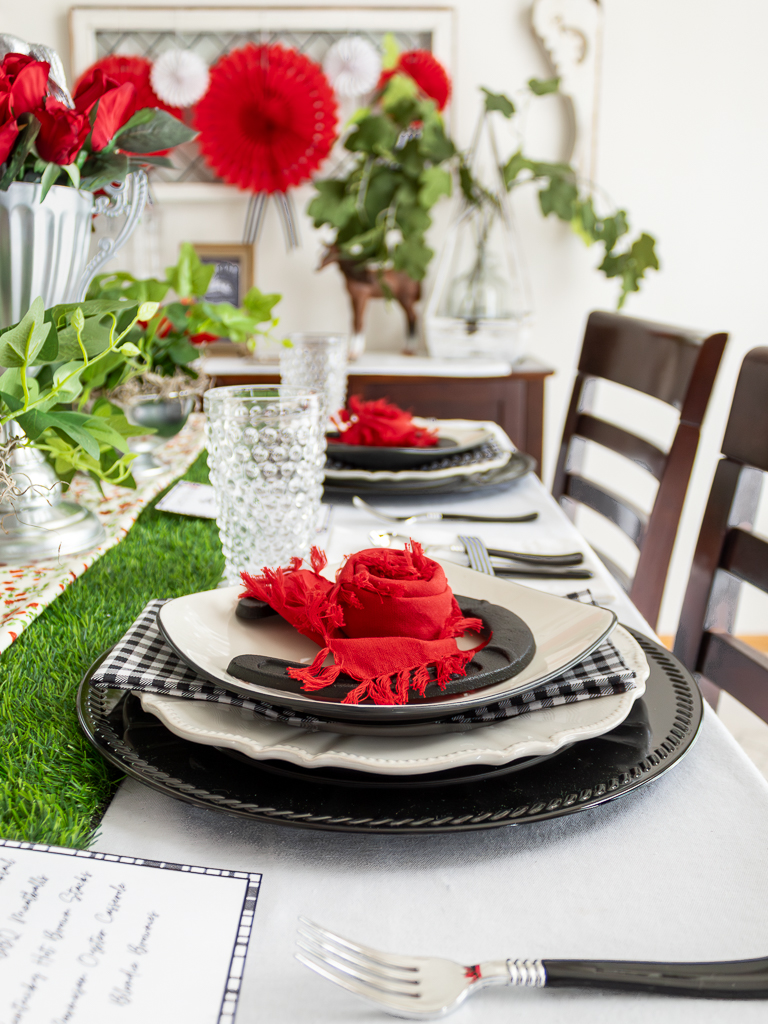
(674, 365)
(728, 553)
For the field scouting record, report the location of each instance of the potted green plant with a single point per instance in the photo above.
(50, 361)
(156, 386)
(378, 209)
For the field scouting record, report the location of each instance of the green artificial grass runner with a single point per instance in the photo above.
(54, 787)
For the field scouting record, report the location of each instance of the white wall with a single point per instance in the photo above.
(682, 143)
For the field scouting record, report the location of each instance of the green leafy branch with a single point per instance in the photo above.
(565, 195)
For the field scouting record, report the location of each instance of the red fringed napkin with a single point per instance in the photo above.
(382, 424)
(389, 617)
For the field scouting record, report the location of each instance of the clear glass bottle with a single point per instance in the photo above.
(480, 303)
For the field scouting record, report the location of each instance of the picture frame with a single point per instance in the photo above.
(234, 274)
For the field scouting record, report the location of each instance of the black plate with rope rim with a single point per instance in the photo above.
(519, 464)
(663, 725)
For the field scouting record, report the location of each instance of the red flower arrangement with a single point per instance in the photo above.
(42, 138)
(268, 119)
(133, 71)
(426, 71)
(381, 424)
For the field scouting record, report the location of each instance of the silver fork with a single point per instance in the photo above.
(436, 517)
(422, 988)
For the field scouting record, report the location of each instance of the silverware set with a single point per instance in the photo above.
(499, 562)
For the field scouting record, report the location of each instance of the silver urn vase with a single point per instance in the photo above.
(44, 249)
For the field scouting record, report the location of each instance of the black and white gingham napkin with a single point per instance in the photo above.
(142, 660)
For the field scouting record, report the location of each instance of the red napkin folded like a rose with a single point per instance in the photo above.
(381, 424)
(388, 619)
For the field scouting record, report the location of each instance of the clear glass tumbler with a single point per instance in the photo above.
(266, 453)
(317, 361)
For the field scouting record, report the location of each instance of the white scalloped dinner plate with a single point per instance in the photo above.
(206, 634)
(461, 431)
(532, 734)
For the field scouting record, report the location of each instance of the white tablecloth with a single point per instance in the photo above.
(676, 870)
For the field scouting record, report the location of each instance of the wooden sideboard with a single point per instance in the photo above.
(514, 401)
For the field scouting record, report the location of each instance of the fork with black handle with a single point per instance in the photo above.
(423, 988)
(480, 560)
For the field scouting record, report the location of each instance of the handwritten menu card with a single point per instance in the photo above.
(88, 937)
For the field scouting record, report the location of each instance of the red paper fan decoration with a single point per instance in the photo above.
(426, 71)
(268, 119)
(135, 70)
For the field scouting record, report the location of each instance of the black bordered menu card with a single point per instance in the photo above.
(88, 937)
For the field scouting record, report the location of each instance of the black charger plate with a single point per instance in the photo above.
(518, 465)
(584, 775)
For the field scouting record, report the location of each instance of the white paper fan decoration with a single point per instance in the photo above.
(352, 66)
(179, 77)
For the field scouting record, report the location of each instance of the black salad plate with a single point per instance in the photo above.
(519, 464)
(661, 728)
(375, 457)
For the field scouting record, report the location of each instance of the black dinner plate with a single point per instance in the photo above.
(376, 457)
(584, 775)
(518, 465)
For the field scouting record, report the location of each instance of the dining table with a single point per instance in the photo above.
(674, 870)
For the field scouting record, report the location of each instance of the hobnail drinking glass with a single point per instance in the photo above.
(317, 361)
(266, 454)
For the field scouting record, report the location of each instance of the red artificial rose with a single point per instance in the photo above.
(62, 132)
(8, 133)
(117, 104)
(8, 127)
(28, 87)
(23, 82)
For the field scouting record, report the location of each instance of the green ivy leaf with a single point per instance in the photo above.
(559, 198)
(632, 265)
(259, 304)
(584, 222)
(398, 89)
(332, 205)
(499, 102)
(612, 228)
(190, 277)
(163, 131)
(20, 344)
(412, 256)
(372, 135)
(434, 144)
(434, 182)
(516, 163)
(543, 86)
(95, 335)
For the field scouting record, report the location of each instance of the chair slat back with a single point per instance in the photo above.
(674, 365)
(728, 553)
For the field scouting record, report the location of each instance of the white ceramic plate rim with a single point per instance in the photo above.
(206, 634)
(533, 734)
(447, 428)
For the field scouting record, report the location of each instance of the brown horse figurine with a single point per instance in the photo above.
(364, 283)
